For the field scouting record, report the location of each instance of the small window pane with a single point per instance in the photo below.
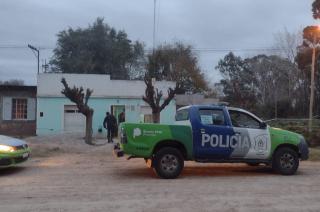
(182, 115)
(240, 119)
(212, 117)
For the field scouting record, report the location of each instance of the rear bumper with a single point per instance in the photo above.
(117, 152)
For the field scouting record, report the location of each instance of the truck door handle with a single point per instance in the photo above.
(202, 131)
(237, 133)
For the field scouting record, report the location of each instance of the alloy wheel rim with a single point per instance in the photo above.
(169, 163)
(287, 161)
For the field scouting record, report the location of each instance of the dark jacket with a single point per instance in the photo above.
(110, 122)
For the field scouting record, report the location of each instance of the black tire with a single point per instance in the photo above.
(253, 164)
(285, 161)
(168, 163)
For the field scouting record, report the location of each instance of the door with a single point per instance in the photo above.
(211, 135)
(74, 121)
(252, 141)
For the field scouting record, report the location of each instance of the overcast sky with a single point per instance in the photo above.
(219, 24)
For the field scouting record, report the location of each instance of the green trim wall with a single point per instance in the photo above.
(52, 110)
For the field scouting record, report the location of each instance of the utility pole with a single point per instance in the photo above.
(312, 83)
(38, 54)
(154, 24)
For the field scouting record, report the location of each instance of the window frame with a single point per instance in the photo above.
(16, 106)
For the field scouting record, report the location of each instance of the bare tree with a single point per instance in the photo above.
(81, 99)
(288, 42)
(153, 97)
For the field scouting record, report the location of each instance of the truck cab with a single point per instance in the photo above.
(213, 133)
(225, 133)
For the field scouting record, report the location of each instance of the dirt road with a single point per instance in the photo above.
(67, 175)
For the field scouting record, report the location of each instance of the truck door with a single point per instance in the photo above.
(253, 140)
(210, 132)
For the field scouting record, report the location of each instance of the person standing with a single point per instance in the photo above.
(121, 117)
(114, 127)
(107, 124)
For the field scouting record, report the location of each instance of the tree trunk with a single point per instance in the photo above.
(156, 117)
(88, 137)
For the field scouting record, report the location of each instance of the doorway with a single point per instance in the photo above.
(116, 110)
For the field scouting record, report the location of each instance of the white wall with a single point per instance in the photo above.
(49, 85)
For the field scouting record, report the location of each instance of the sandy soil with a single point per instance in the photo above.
(65, 174)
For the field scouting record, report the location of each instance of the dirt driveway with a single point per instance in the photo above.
(67, 175)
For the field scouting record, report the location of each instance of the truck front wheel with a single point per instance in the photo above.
(285, 161)
(168, 163)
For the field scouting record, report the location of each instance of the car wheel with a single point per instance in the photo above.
(168, 163)
(285, 161)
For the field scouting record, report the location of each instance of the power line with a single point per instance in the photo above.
(154, 23)
(197, 50)
(24, 47)
(218, 50)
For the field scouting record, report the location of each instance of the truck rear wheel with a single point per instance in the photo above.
(168, 163)
(285, 161)
(253, 164)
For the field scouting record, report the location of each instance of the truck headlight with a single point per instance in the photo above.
(5, 148)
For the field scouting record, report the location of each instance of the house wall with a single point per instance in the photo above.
(17, 127)
(52, 109)
(49, 85)
(106, 92)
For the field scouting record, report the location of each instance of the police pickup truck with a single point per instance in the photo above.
(212, 134)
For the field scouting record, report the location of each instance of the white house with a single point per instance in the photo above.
(56, 114)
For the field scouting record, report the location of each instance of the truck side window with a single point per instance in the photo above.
(182, 115)
(212, 117)
(240, 119)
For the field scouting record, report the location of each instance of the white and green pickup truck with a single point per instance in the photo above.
(215, 134)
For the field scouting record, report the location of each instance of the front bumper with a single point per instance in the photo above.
(10, 159)
(117, 152)
(303, 150)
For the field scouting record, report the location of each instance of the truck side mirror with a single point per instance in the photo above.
(263, 125)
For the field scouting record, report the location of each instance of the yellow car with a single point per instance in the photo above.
(12, 151)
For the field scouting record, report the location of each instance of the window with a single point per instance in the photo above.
(19, 109)
(212, 117)
(182, 115)
(240, 119)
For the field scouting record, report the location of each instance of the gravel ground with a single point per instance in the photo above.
(64, 174)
